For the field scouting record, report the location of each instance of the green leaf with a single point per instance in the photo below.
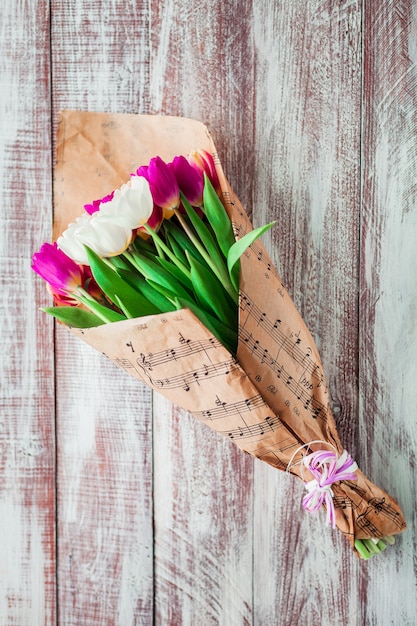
(116, 288)
(154, 271)
(120, 263)
(183, 241)
(169, 295)
(107, 315)
(205, 235)
(217, 217)
(176, 272)
(211, 294)
(241, 245)
(226, 336)
(141, 285)
(74, 316)
(175, 247)
(142, 245)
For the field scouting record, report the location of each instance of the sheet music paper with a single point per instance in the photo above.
(273, 397)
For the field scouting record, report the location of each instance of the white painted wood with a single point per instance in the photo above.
(313, 108)
(203, 523)
(388, 288)
(307, 168)
(27, 448)
(104, 419)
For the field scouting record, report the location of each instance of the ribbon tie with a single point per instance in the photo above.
(327, 468)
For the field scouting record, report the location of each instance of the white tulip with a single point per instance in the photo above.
(107, 235)
(132, 202)
(69, 242)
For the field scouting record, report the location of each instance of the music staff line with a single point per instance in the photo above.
(268, 425)
(310, 403)
(290, 346)
(184, 349)
(194, 377)
(224, 409)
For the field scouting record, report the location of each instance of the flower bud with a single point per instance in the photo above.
(61, 273)
(133, 201)
(190, 180)
(163, 185)
(203, 161)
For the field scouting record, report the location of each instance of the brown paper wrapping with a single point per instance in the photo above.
(272, 399)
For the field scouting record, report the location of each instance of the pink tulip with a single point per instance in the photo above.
(61, 273)
(95, 205)
(163, 184)
(190, 180)
(203, 162)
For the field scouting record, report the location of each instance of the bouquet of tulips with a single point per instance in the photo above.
(160, 243)
(166, 276)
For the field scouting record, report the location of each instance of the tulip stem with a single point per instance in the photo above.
(218, 270)
(370, 547)
(160, 243)
(84, 297)
(132, 259)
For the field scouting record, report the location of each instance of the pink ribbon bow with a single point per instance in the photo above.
(327, 468)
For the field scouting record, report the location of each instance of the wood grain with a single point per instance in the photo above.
(27, 447)
(199, 478)
(308, 179)
(100, 61)
(158, 520)
(388, 281)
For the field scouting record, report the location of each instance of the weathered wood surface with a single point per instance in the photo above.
(116, 507)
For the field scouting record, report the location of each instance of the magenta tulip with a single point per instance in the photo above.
(163, 184)
(61, 273)
(190, 180)
(203, 161)
(95, 205)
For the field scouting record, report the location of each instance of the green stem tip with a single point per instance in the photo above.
(371, 547)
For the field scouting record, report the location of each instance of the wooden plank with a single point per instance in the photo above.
(27, 462)
(203, 529)
(280, 87)
(307, 168)
(105, 537)
(202, 67)
(388, 338)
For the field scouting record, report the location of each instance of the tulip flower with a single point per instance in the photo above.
(107, 235)
(163, 184)
(61, 273)
(96, 204)
(69, 243)
(154, 222)
(190, 180)
(133, 202)
(202, 161)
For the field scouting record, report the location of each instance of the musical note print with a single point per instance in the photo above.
(185, 348)
(186, 379)
(297, 388)
(289, 344)
(222, 408)
(255, 430)
(381, 507)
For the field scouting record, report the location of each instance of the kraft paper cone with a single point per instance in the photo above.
(272, 399)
